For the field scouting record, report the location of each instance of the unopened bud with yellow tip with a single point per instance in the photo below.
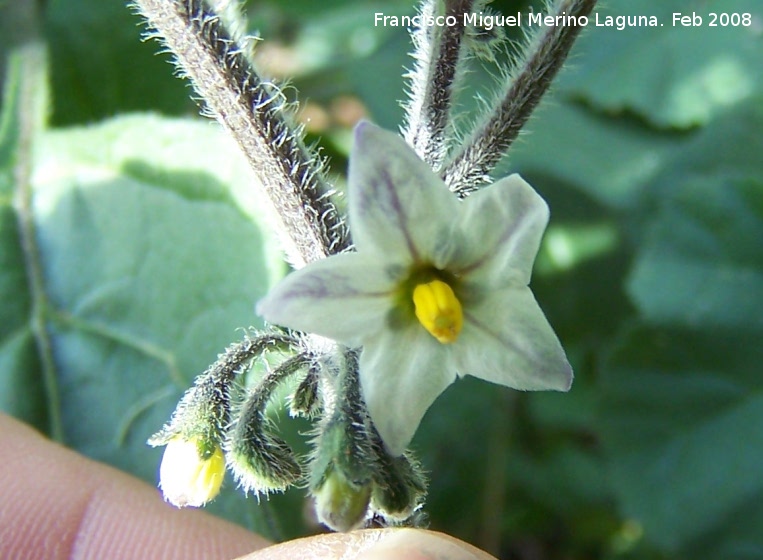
(192, 471)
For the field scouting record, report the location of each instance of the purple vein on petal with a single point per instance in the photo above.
(397, 209)
(480, 325)
(491, 252)
(327, 284)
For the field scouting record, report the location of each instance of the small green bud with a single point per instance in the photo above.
(305, 401)
(342, 476)
(399, 487)
(262, 463)
(341, 504)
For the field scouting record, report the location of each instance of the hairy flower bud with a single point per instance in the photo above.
(341, 504)
(192, 471)
(262, 462)
(306, 398)
(400, 487)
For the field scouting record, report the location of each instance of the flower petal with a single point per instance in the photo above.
(506, 339)
(185, 478)
(345, 297)
(502, 226)
(401, 374)
(398, 207)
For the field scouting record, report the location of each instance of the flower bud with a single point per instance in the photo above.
(399, 489)
(262, 462)
(306, 401)
(192, 471)
(340, 503)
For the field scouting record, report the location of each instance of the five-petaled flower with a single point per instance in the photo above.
(437, 287)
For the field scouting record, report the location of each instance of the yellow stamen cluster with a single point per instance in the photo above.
(438, 310)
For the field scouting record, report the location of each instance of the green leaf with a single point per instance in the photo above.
(609, 160)
(682, 411)
(153, 252)
(671, 75)
(702, 265)
(702, 262)
(100, 66)
(682, 397)
(463, 469)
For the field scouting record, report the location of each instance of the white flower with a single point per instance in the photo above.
(190, 475)
(437, 289)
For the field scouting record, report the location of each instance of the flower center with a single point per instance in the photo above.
(438, 310)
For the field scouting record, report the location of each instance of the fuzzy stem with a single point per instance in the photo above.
(261, 461)
(469, 168)
(255, 113)
(344, 439)
(351, 406)
(207, 403)
(437, 51)
(252, 413)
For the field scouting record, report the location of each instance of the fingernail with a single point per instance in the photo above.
(407, 544)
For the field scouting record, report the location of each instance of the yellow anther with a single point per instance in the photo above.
(438, 310)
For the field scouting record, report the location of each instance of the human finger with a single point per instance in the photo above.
(374, 544)
(56, 504)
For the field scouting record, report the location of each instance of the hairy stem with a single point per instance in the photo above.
(437, 51)
(469, 168)
(343, 439)
(256, 115)
(252, 413)
(261, 461)
(207, 403)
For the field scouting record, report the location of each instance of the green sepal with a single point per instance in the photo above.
(399, 487)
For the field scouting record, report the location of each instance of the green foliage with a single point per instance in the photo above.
(101, 67)
(672, 76)
(152, 250)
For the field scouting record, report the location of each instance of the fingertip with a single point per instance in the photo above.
(58, 504)
(374, 544)
(414, 544)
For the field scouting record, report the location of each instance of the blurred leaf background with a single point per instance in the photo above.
(133, 247)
